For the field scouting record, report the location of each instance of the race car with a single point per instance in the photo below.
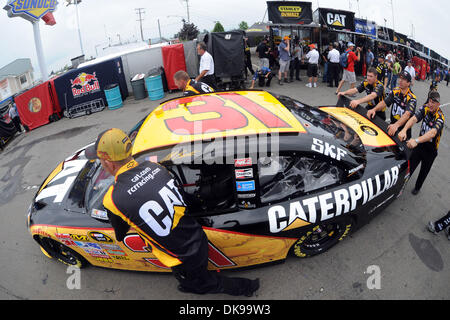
(265, 175)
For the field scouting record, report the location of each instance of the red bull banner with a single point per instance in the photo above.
(84, 84)
(81, 91)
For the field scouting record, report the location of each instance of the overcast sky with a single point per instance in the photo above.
(103, 19)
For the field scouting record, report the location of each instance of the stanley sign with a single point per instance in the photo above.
(289, 12)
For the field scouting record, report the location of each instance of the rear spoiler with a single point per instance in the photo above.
(344, 102)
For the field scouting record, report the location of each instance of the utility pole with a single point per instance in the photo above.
(187, 9)
(393, 20)
(140, 11)
(76, 2)
(159, 28)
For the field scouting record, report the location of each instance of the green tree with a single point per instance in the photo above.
(189, 31)
(218, 27)
(243, 25)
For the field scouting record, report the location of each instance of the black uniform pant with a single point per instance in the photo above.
(263, 80)
(16, 122)
(424, 156)
(442, 223)
(333, 74)
(295, 68)
(210, 80)
(248, 64)
(198, 279)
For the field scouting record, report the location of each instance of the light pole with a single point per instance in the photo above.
(76, 2)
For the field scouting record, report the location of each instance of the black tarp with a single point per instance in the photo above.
(385, 33)
(290, 12)
(400, 38)
(227, 49)
(7, 130)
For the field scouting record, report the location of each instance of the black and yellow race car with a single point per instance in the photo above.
(265, 175)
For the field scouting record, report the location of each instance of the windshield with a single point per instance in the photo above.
(97, 188)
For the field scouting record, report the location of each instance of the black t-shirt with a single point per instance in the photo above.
(382, 72)
(193, 87)
(401, 103)
(378, 88)
(431, 121)
(147, 197)
(262, 49)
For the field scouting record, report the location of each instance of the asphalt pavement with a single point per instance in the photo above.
(411, 262)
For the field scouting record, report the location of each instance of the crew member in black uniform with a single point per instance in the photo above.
(248, 57)
(146, 197)
(190, 87)
(382, 70)
(374, 90)
(427, 144)
(403, 102)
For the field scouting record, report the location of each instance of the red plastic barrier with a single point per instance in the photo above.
(174, 60)
(37, 105)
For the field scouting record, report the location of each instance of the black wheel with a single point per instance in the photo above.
(62, 253)
(321, 238)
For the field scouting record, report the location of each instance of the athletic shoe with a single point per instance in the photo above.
(280, 83)
(431, 228)
(315, 85)
(308, 85)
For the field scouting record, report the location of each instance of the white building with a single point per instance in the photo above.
(15, 77)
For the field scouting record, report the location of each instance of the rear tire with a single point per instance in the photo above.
(62, 253)
(321, 238)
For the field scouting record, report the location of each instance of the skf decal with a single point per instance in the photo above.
(327, 149)
(332, 204)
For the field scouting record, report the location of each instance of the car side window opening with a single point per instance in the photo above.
(282, 177)
(207, 188)
(101, 181)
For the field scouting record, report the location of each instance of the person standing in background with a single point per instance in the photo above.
(297, 58)
(369, 58)
(285, 59)
(248, 57)
(397, 68)
(14, 115)
(263, 54)
(206, 69)
(333, 58)
(349, 71)
(410, 69)
(313, 66)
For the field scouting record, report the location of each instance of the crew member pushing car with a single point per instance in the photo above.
(425, 147)
(146, 197)
(403, 102)
(374, 90)
(190, 87)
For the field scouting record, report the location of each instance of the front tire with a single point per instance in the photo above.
(321, 238)
(62, 253)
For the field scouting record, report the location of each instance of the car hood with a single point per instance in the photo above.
(64, 188)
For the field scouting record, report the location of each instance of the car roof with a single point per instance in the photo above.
(212, 116)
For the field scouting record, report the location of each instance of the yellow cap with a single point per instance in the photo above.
(112, 145)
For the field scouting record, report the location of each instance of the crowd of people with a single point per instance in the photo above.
(339, 64)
